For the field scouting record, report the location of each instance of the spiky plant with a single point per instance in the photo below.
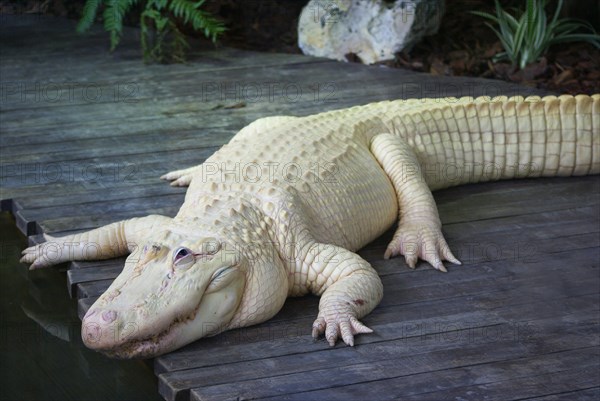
(527, 37)
(161, 39)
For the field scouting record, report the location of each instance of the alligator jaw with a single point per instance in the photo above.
(148, 348)
(152, 346)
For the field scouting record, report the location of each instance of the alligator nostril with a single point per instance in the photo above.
(109, 316)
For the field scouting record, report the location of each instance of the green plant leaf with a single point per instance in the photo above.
(190, 13)
(527, 35)
(485, 15)
(160, 35)
(113, 19)
(89, 15)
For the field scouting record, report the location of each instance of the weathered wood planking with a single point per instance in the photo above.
(519, 319)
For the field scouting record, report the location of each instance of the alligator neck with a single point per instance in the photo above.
(240, 219)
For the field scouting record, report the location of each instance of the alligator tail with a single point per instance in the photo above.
(459, 141)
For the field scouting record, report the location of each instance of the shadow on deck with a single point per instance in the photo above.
(85, 136)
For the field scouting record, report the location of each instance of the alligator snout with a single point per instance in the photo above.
(100, 328)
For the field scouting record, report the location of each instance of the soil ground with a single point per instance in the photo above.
(464, 45)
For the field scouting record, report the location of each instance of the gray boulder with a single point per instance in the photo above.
(373, 30)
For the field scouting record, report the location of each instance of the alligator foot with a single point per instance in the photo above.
(180, 178)
(342, 325)
(42, 255)
(416, 240)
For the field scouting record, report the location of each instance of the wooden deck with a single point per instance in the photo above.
(85, 136)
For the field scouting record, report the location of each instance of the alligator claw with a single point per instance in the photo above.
(42, 255)
(179, 178)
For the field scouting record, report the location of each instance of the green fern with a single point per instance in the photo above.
(89, 14)
(162, 41)
(161, 38)
(113, 15)
(190, 12)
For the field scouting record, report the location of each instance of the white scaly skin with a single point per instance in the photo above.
(280, 210)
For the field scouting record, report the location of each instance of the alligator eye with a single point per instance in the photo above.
(183, 257)
(181, 253)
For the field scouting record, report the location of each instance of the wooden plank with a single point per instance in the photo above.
(472, 206)
(83, 305)
(120, 177)
(236, 64)
(232, 120)
(389, 321)
(432, 332)
(98, 175)
(194, 138)
(590, 394)
(100, 126)
(210, 61)
(141, 189)
(77, 276)
(305, 90)
(35, 67)
(111, 208)
(582, 375)
(388, 360)
(418, 346)
(88, 222)
(92, 289)
(490, 380)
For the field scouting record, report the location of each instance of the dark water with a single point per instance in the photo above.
(42, 356)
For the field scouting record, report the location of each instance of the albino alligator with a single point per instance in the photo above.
(281, 208)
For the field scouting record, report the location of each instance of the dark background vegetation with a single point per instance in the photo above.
(464, 46)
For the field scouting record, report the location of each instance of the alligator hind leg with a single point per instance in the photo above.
(419, 233)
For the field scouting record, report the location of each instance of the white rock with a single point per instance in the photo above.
(373, 30)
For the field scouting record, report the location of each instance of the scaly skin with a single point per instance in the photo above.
(280, 210)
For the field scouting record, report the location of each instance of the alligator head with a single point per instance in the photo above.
(171, 292)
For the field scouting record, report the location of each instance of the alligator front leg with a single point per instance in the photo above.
(106, 242)
(349, 288)
(419, 233)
